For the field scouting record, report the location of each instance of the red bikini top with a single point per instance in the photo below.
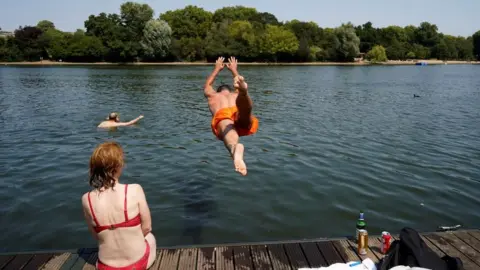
(127, 223)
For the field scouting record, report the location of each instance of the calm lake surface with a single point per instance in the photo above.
(331, 141)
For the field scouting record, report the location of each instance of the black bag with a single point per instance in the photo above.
(412, 251)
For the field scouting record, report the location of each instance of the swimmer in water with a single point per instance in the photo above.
(113, 121)
(231, 111)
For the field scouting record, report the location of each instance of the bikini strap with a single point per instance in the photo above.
(91, 210)
(125, 204)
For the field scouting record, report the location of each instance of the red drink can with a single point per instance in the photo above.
(386, 237)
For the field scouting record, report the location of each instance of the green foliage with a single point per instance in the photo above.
(157, 36)
(189, 22)
(278, 40)
(194, 34)
(410, 55)
(346, 43)
(377, 54)
(236, 13)
(45, 25)
(476, 45)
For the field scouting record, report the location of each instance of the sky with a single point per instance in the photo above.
(453, 17)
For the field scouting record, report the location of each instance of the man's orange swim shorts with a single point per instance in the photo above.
(231, 113)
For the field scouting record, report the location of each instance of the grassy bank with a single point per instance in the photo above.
(366, 63)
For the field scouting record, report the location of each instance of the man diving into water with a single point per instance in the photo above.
(231, 111)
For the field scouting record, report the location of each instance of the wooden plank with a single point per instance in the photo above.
(461, 246)
(224, 258)
(38, 261)
(475, 234)
(18, 262)
(242, 258)
(450, 250)
(70, 262)
(158, 259)
(346, 251)
(313, 255)
(83, 257)
(169, 259)
(329, 252)
(370, 255)
(56, 261)
(374, 246)
(91, 262)
(467, 238)
(206, 258)
(188, 259)
(295, 255)
(278, 257)
(5, 259)
(260, 257)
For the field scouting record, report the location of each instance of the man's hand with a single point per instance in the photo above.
(232, 65)
(140, 117)
(219, 65)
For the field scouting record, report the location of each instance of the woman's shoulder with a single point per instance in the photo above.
(135, 188)
(85, 199)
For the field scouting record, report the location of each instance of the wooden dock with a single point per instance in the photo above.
(273, 255)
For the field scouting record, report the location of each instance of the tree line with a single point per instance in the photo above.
(194, 34)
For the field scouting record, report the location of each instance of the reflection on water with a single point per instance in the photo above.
(331, 141)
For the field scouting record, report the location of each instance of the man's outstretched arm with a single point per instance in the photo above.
(232, 66)
(123, 124)
(208, 89)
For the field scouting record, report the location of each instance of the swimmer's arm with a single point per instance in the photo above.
(208, 89)
(144, 211)
(130, 122)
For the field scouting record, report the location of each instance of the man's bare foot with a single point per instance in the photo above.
(238, 162)
(240, 84)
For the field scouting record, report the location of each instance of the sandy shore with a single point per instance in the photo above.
(52, 63)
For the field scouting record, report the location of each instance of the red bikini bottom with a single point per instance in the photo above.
(139, 265)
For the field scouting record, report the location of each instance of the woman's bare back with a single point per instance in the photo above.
(119, 246)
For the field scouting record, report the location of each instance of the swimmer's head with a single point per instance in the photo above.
(224, 87)
(113, 117)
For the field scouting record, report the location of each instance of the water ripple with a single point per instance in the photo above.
(331, 141)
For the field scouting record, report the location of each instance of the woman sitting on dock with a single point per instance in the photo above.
(117, 214)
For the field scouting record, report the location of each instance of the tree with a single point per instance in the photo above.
(55, 44)
(86, 49)
(309, 31)
(346, 43)
(218, 41)
(377, 54)
(420, 51)
(110, 30)
(368, 36)
(27, 41)
(236, 13)
(465, 48)
(242, 39)
(45, 25)
(189, 22)
(410, 55)
(476, 45)
(427, 34)
(265, 18)
(396, 50)
(277, 41)
(157, 36)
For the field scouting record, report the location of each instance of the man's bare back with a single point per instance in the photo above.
(231, 112)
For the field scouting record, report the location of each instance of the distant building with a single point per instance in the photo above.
(6, 33)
